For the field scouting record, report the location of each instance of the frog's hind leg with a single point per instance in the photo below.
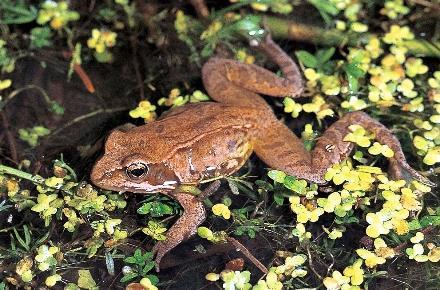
(231, 82)
(329, 150)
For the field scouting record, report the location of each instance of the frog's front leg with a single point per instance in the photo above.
(194, 213)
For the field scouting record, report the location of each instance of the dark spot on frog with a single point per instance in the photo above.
(231, 145)
(273, 145)
(159, 128)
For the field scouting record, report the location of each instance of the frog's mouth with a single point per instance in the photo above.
(115, 181)
(150, 188)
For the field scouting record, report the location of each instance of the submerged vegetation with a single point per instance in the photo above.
(363, 230)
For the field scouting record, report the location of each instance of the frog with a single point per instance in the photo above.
(206, 140)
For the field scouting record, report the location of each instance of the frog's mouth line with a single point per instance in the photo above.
(149, 188)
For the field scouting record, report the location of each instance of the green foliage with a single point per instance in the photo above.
(16, 12)
(319, 61)
(41, 37)
(354, 73)
(140, 266)
(326, 8)
(31, 135)
(245, 225)
(157, 206)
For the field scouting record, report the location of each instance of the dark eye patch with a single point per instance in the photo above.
(137, 170)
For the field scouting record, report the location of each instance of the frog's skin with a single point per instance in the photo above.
(205, 140)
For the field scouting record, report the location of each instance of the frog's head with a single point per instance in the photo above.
(125, 166)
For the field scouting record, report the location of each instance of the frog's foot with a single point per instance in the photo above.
(186, 226)
(401, 170)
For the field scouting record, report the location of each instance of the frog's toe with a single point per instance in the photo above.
(159, 250)
(401, 170)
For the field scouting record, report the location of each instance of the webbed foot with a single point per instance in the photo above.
(401, 170)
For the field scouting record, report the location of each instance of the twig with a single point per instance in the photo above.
(425, 3)
(425, 231)
(84, 78)
(140, 83)
(15, 93)
(201, 8)
(433, 171)
(89, 115)
(283, 28)
(309, 254)
(248, 254)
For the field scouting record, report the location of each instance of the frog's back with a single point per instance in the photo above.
(183, 126)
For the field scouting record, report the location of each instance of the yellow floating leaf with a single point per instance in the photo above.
(4, 84)
(220, 209)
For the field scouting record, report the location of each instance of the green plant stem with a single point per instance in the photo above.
(35, 179)
(290, 29)
(18, 173)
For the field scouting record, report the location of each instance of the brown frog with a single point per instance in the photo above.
(210, 139)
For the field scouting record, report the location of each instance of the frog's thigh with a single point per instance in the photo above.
(279, 148)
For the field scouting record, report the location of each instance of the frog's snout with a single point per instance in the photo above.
(100, 176)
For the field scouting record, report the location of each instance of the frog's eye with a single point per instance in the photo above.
(137, 170)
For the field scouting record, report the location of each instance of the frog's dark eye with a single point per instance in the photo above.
(137, 170)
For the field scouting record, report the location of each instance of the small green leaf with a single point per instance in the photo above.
(430, 220)
(414, 225)
(264, 185)
(85, 280)
(249, 27)
(353, 84)
(354, 70)
(18, 13)
(56, 108)
(27, 235)
(40, 37)
(148, 256)
(153, 278)
(147, 268)
(294, 184)
(324, 55)
(325, 6)
(277, 175)
(308, 59)
(128, 277)
(155, 209)
(278, 198)
(130, 260)
(20, 240)
(110, 263)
